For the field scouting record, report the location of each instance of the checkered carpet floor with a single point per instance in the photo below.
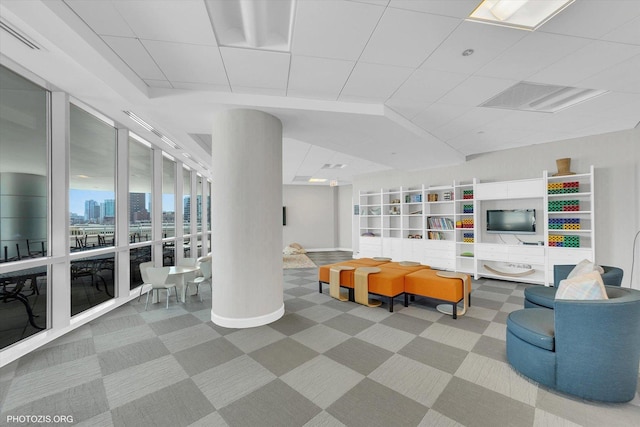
(324, 363)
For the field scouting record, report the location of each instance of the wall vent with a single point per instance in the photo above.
(542, 98)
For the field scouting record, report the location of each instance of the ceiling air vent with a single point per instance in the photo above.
(333, 166)
(18, 35)
(542, 98)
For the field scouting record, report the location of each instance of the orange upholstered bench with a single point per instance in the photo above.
(390, 281)
(346, 276)
(427, 283)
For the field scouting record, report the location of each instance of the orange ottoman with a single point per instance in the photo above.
(428, 284)
(389, 282)
(346, 276)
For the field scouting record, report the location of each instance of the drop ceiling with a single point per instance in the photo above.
(371, 84)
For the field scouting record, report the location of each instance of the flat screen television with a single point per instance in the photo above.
(513, 221)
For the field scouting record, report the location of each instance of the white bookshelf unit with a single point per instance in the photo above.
(444, 226)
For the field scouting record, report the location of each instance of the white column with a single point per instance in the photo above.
(246, 219)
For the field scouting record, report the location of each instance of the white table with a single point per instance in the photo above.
(178, 272)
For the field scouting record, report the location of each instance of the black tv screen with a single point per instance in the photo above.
(514, 221)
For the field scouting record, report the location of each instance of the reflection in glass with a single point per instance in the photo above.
(199, 204)
(92, 281)
(168, 253)
(92, 167)
(23, 168)
(140, 188)
(168, 197)
(23, 304)
(136, 257)
(209, 206)
(186, 200)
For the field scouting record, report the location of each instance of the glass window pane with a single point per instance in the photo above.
(168, 197)
(140, 189)
(199, 204)
(91, 181)
(92, 282)
(23, 205)
(209, 206)
(23, 168)
(23, 311)
(168, 253)
(186, 200)
(136, 257)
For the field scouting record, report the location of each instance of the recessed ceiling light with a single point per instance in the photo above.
(169, 142)
(317, 180)
(522, 14)
(139, 121)
(253, 24)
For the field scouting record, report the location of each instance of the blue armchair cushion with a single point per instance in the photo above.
(533, 325)
(586, 286)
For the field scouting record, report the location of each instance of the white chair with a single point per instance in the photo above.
(158, 280)
(189, 262)
(143, 274)
(205, 267)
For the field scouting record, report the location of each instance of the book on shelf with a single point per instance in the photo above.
(439, 223)
(436, 235)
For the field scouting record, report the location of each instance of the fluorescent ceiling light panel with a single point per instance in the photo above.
(253, 24)
(542, 98)
(317, 180)
(169, 142)
(139, 121)
(522, 14)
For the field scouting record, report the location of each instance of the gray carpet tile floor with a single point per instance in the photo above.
(324, 363)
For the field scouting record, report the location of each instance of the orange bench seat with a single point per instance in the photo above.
(427, 283)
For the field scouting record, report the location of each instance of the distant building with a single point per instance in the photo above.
(137, 208)
(108, 211)
(91, 211)
(187, 209)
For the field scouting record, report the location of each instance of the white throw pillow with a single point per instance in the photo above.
(588, 286)
(583, 267)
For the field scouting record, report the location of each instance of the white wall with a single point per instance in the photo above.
(311, 218)
(615, 156)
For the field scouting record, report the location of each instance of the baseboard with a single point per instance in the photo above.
(327, 249)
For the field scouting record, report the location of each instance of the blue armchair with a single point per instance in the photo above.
(586, 348)
(544, 296)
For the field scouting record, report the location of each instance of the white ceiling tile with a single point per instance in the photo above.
(581, 64)
(423, 88)
(158, 83)
(487, 41)
(627, 33)
(318, 76)
(333, 29)
(185, 21)
(188, 62)
(376, 2)
(375, 81)
(102, 17)
(531, 54)
(471, 120)
(437, 115)
(260, 90)
(201, 86)
(592, 19)
(455, 8)
(476, 90)
(256, 68)
(133, 53)
(405, 38)
(623, 77)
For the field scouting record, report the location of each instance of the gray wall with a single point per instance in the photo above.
(615, 156)
(311, 218)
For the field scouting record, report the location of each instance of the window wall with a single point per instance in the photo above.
(23, 208)
(186, 201)
(77, 224)
(92, 207)
(168, 211)
(139, 208)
